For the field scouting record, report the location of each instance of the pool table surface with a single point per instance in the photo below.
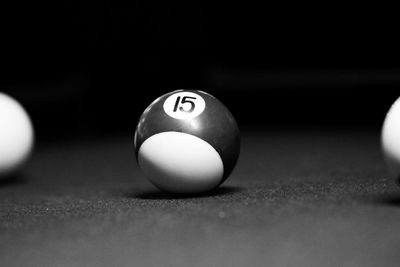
(297, 197)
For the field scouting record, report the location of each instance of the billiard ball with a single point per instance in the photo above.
(390, 139)
(16, 136)
(186, 142)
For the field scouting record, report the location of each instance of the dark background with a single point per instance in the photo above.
(91, 67)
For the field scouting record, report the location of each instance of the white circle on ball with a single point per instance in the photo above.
(16, 135)
(391, 138)
(184, 105)
(180, 163)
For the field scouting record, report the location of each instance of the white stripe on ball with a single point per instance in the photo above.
(180, 163)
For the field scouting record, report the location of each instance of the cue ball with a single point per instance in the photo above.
(391, 139)
(186, 142)
(16, 136)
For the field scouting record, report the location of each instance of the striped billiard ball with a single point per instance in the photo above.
(187, 141)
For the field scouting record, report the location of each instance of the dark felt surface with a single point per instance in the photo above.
(304, 198)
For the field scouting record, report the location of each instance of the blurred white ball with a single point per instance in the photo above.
(16, 136)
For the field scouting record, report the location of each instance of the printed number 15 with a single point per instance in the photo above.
(184, 101)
